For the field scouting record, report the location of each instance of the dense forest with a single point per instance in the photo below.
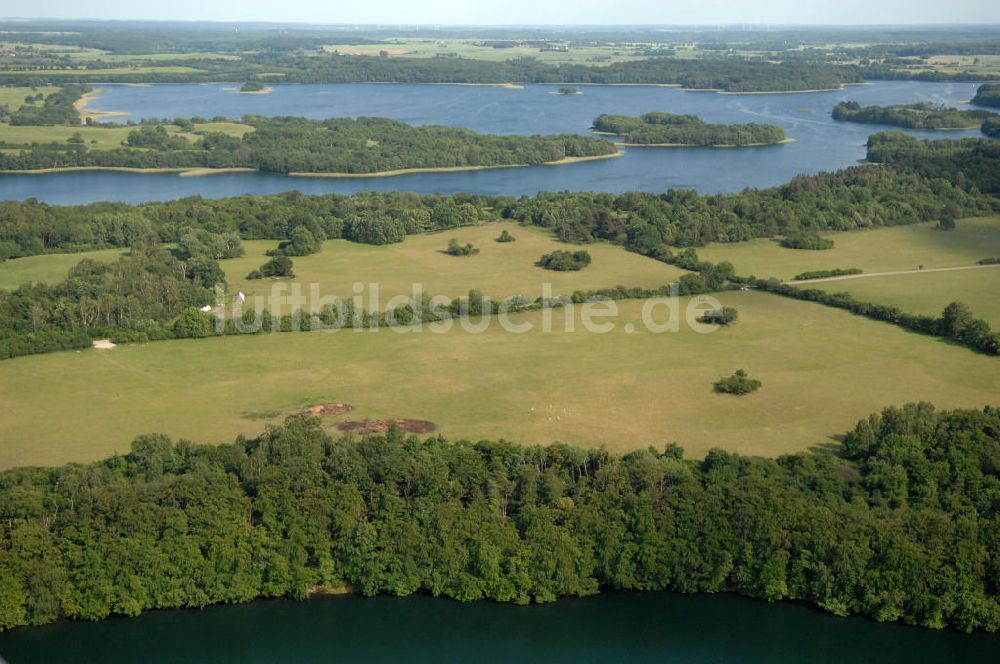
(671, 129)
(899, 525)
(298, 145)
(988, 94)
(971, 163)
(911, 116)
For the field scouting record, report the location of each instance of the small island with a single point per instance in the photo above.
(671, 130)
(911, 116)
(568, 90)
(255, 88)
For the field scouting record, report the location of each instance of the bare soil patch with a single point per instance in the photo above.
(381, 426)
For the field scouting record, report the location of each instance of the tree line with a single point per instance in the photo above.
(672, 129)
(898, 525)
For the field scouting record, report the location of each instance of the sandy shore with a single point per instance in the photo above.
(195, 172)
(262, 91)
(453, 169)
(81, 106)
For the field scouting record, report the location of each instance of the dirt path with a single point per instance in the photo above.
(889, 274)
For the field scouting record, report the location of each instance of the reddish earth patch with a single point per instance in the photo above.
(381, 426)
(324, 409)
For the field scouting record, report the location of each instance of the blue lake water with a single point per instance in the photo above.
(821, 144)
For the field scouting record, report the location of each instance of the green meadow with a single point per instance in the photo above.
(499, 269)
(49, 268)
(821, 368)
(929, 292)
(13, 97)
(100, 136)
(876, 250)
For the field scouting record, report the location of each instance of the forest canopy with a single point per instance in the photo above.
(899, 525)
(911, 116)
(683, 130)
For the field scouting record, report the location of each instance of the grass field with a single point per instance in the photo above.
(102, 136)
(930, 292)
(13, 98)
(876, 250)
(624, 390)
(499, 270)
(50, 268)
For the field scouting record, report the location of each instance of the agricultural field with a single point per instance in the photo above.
(499, 269)
(876, 250)
(929, 292)
(49, 268)
(619, 389)
(473, 50)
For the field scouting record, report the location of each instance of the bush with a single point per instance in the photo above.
(989, 261)
(738, 383)
(456, 249)
(565, 261)
(279, 266)
(505, 236)
(806, 240)
(723, 316)
(255, 274)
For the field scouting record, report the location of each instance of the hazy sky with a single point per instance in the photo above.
(523, 11)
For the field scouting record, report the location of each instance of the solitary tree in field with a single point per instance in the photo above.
(949, 215)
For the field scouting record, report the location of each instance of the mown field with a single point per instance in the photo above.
(876, 250)
(499, 270)
(822, 369)
(929, 292)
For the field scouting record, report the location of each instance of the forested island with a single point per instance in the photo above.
(672, 130)
(911, 116)
(898, 525)
(988, 94)
(297, 145)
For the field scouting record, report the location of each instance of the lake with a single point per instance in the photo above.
(821, 144)
(609, 627)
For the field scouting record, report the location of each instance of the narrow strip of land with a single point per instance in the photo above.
(889, 274)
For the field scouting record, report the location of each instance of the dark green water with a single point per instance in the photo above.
(609, 627)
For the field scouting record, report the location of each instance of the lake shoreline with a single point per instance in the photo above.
(195, 171)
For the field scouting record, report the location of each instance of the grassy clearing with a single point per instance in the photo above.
(13, 98)
(821, 368)
(876, 250)
(499, 270)
(50, 268)
(930, 292)
(101, 136)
